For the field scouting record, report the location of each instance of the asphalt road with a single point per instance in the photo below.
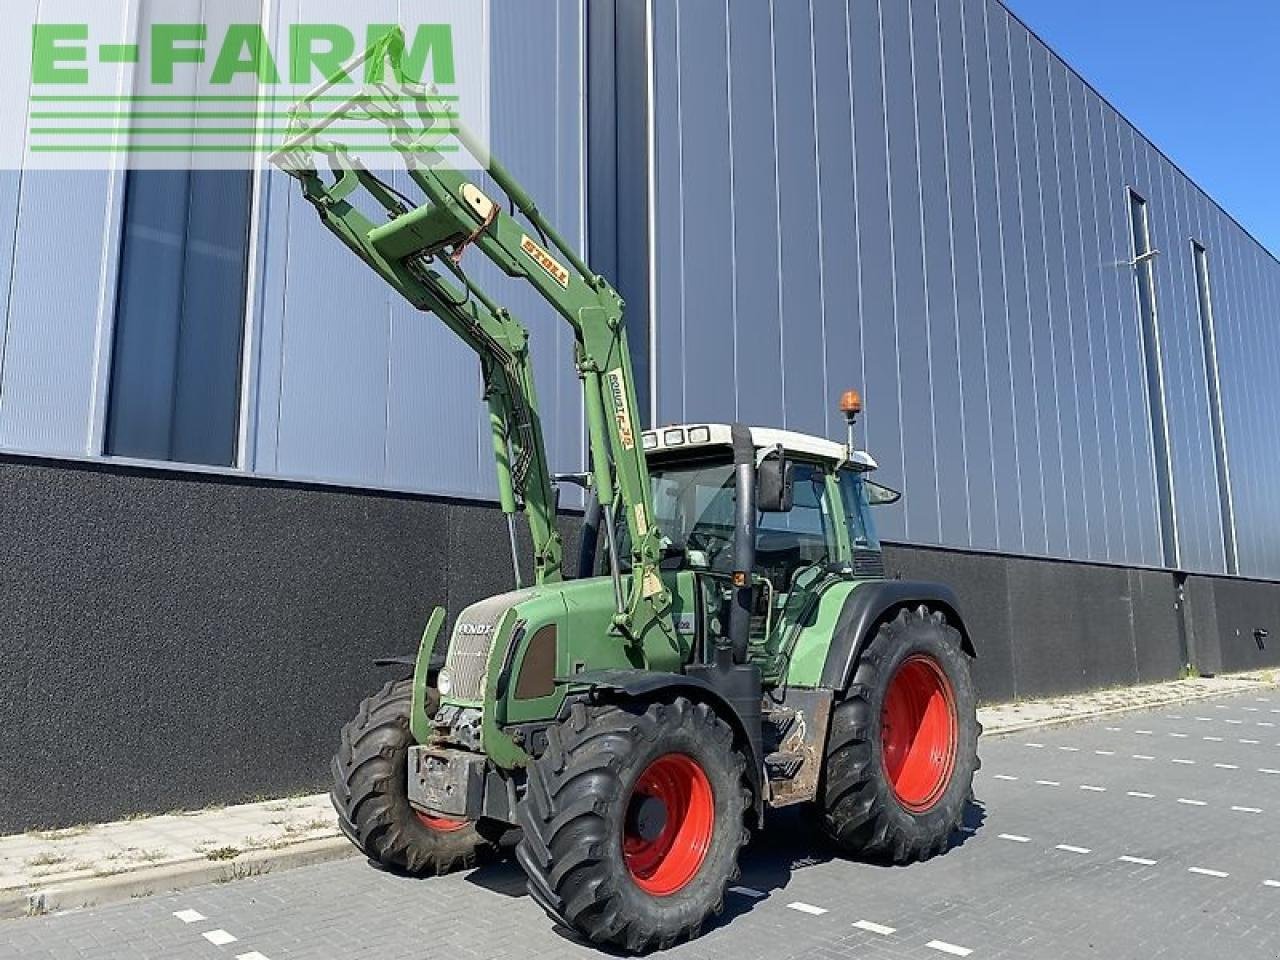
(1148, 835)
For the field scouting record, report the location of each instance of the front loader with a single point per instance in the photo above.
(729, 645)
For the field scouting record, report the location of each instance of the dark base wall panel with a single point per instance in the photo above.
(1045, 627)
(172, 640)
(1234, 624)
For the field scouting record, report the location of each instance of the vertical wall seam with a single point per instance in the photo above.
(1048, 301)
(955, 289)
(924, 267)
(893, 268)
(777, 203)
(822, 260)
(1076, 454)
(857, 218)
(733, 209)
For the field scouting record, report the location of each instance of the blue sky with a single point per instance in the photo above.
(1201, 79)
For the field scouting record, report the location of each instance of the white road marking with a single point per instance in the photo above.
(220, 938)
(1113, 729)
(1192, 803)
(1086, 786)
(1180, 736)
(1207, 873)
(1004, 776)
(1226, 766)
(1247, 741)
(1274, 709)
(1144, 796)
(1246, 809)
(1221, 706)
(943, 947)
(1014, 837)
(1205, 719)
(1180, 760)
(808, 908)
(1271, 883)
(1070, 849)
(1142, 756)
(1048, 783)
(1037, 746)
(1145, 733)
(1265, 723)
(1070, 749)
(253, 955)
(751, 892)
(1212, 739)
(1105, 753)
(1236, 723)
(1267, 770)
(1251, 709)
(879, 928)
(189, 916)
(1141, 861)
(1173, 716)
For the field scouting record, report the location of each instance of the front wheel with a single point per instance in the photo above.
(370, 792)
(633, 820)
(903, 745)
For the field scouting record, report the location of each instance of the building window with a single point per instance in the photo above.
(1208, 341)
(180, 314)
(1145, 280)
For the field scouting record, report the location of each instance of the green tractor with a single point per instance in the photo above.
(730, 643)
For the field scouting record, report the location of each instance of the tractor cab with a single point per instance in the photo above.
(817, 529)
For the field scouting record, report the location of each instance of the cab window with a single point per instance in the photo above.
(857, 512)
(785, 542)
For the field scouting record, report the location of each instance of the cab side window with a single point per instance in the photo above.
(785, 542)
(857, 512)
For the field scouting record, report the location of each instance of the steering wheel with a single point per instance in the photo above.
(708, 543)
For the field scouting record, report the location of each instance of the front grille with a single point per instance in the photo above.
(868, 563)
(468, 657)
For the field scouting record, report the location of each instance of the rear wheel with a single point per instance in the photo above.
(902, 750)
(632, 822)
(370, 793)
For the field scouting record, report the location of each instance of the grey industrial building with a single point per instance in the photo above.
(235, 466)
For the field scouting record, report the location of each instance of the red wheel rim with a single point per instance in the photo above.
(669, 820)
(919, 732)
(439, 824)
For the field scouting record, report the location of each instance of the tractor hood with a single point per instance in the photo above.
(509, 655)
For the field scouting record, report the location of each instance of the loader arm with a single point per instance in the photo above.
(420, 250)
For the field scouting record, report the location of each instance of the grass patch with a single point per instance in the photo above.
(45, 860)
(222, 853)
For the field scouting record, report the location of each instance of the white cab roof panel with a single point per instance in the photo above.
(682, 436)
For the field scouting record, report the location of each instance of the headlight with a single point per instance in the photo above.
(444, 682)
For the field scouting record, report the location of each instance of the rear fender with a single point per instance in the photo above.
(870, 604)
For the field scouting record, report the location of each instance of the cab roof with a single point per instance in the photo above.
(686, 436)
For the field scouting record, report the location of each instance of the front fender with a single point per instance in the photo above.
(867, 605)
(649, 684)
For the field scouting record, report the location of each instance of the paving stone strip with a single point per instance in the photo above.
(49, 871)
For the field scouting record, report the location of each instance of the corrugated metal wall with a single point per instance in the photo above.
(918, 198)
(912, 197)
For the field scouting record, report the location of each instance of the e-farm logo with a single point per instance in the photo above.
(110, 89)
(317, 52)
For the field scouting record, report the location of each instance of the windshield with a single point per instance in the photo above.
(694, 506)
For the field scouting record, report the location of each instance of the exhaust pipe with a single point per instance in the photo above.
(744, 541)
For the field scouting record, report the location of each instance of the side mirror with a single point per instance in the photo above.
(775, 485)
(878, 495)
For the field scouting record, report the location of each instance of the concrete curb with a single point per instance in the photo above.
(1070, 718)
(169, 878)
